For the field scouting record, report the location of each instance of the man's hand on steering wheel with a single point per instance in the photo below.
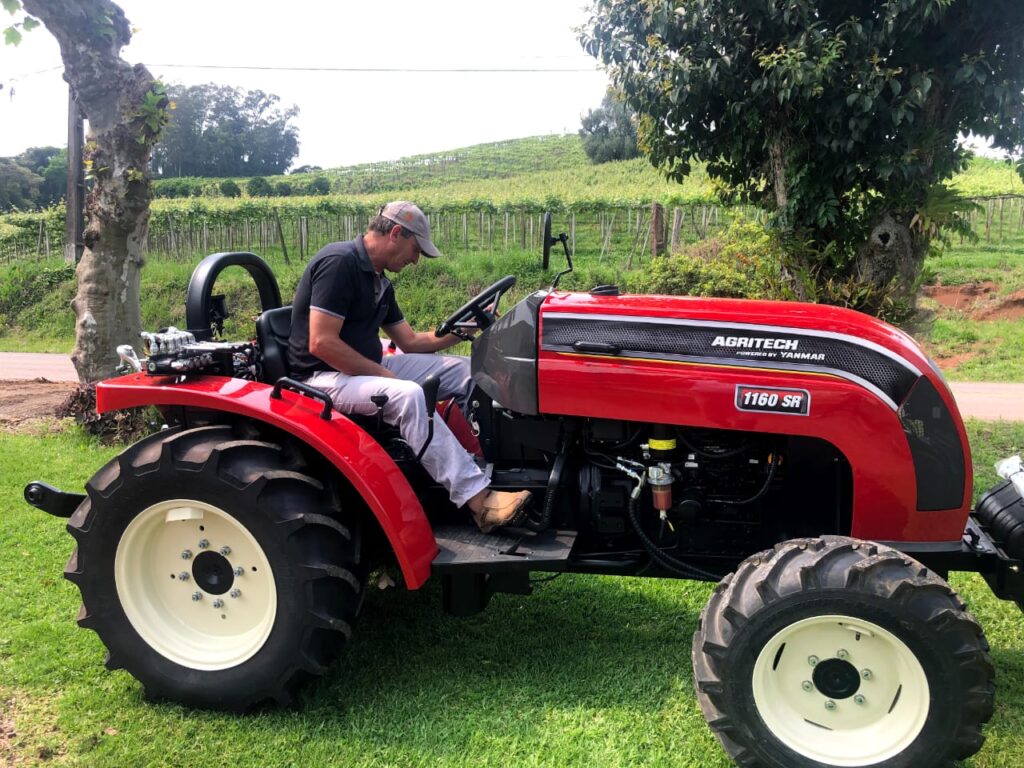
(478, 313)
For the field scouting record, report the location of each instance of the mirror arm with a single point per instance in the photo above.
(564, 240)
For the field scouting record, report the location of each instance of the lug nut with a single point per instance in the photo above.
(225, 551)
(812, 660)
(197, 596)
(183, 575)
(843, 654)
(830, 705)
(203, 544)
(186, 555)
(866, 674)
(218, 603)
(859, 699)
(239, 571)
(236, 593)
(807, 685)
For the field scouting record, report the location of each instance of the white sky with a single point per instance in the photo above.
(345, 117)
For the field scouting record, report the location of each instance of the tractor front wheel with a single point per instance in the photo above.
(837, 652)
(214, 569)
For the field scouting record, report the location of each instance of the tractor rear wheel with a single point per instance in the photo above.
(214, 569)
(838, 652)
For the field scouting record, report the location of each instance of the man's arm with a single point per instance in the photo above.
(409, 340)
(325, 344)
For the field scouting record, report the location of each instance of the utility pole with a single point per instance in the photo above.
(74, 206)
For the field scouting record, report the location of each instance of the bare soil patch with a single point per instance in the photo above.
(28, 401)
(8, 735)
(962, 298)
(952, 361)
(1006, 308)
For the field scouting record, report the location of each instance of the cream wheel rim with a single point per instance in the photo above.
(195, 584)
(841, 690)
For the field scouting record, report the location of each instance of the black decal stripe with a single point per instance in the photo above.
(881, 371)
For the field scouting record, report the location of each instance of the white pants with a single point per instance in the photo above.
(445, 459)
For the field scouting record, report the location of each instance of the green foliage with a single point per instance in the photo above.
(27, 285)
(282, 188)
(609, 132)
(230, 188)
(745, 262)
(259, 187)
(19, 186)
(825, 113)
(319, 185)
(13, 33)
(217, 130)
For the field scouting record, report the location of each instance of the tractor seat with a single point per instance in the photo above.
(272, 330)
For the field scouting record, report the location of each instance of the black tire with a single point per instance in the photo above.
(275, 573)
(773, 702)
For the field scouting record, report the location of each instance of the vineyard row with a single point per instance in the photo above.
(618, 232)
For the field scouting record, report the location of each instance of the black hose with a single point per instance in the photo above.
(662, 558)
(763, 490)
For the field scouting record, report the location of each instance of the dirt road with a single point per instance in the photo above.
(22, 392)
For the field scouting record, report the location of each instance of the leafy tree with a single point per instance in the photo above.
(126, 109)
(608, 132)
(217, 130)
(283, 188)
(307, 169)
(839, 116)
(19, 186)
(55, 178)
(259, 187)
(230, 188)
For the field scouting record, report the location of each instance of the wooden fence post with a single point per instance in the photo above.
(677, 225)
(657, 233)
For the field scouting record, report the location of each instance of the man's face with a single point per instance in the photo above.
(403, 251)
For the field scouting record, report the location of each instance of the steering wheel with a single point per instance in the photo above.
(480, 311)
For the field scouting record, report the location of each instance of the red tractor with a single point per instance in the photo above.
(809, 459)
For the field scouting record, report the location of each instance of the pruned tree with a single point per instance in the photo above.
(841, 117)
(126, 109)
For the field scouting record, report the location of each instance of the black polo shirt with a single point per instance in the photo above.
(340, 280)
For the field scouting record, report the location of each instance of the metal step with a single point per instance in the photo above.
(463, 548)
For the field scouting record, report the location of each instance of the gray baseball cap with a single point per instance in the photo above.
(409, 215)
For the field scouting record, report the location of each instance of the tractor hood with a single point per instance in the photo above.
(772, 335)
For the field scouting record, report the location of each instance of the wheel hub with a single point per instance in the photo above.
(835, 678)
(213, 573)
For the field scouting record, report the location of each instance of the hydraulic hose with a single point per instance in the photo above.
(662, 558)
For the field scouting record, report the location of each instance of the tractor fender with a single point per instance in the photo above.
(360, 458)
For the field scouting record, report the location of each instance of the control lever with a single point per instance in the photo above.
(430, 386)
(380, 401)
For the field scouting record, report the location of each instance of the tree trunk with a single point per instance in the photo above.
(126, 109)
(894, 254)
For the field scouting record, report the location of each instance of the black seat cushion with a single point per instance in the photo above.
(272, 330)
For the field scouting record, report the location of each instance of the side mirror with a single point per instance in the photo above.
(548, 240)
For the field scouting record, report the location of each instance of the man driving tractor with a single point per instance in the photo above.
(341, 302)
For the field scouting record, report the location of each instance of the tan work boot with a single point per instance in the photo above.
(498, 508)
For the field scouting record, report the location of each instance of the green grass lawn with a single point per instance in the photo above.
(589, 671)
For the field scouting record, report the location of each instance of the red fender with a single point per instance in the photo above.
(356, 455)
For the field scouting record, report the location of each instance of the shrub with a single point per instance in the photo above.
(744, 262)
(230, 188)
(283, 189)
(259, 187)
(319, 186)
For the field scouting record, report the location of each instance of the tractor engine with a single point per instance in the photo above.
(703, 493)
